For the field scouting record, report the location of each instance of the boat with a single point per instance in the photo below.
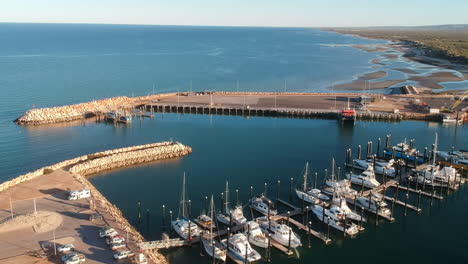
(374, 203)
(404, 151)
(335, 217)
(350, 214)
(434, 175)
(240, 248)
(380, 167)
(348, 115)
(454, 158)
(182, 225)
(204, 221)
(255, 235)
(366, 178)
(335, 186)
(281, 233)
(310, 195)
(237, 214)
(214, 248)
(448, 119)
(263, 205)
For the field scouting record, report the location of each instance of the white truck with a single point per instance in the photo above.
(79, 194)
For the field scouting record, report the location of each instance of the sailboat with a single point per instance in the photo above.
(335, 186)
(237, 214)
(214, 248)
(312, 196)
(182, 225)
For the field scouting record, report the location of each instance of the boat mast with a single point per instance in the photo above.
(226, 204)
(211, 215)
(434, 155)
(306, 172)
(182, 200)
(333, 170)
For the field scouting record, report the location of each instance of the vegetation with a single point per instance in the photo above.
(449, 43)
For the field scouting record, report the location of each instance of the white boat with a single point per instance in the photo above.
(335, 186)
(381, 167)
(366, 178)
(374, 203)
(182, 225)
(263, 205)
(312, 196)
(281, 233)
(238, 216)
(350, 214)
(225, 215)
(256, 235)
(335, 218)
(214, 248)
(240, 248)
(448, 119)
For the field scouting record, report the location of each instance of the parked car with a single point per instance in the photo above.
(69, 256)
(115, 239)
(117, 246)
(66, 247)
(79, 194)
(95, 216)
(124, 254)
(107, 232)
(80, 258)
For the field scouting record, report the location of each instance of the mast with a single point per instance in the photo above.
(226, 204)
(182, 199)
(333, 170)
(434, 155)
(211, 215)
(306, 172)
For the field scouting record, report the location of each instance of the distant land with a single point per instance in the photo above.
(439, 41)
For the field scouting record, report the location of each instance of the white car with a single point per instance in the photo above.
(117, 246)
(69, 256)
(114, 240)
(66, 247)
(76, 259)
(110, 232)
(124, 254)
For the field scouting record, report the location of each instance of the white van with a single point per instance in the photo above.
(79, 194)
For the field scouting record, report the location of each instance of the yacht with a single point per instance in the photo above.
(204, 221)
(238, 216)
(279, 232)
(350, 214)
(380, 166)
(214, 248)
(335, 218)
(366, 178)
(263, 205)
(255, 235)
(182, 225)
(240, 248)
(375, 203)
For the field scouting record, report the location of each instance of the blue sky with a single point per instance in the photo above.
(303, 13)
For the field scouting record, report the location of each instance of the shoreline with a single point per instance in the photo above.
(81, 167)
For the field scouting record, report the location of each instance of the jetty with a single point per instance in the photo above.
(47, 189)
(274, 104)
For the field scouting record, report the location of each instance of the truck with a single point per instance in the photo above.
(79, 194)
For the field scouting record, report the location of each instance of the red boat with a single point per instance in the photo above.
(348, 114)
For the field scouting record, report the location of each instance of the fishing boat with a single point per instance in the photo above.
(334, 186)
(335, 217)
(380, 167)
(237, 214)
(214, 248)
(310, 195)
(204, 221)
(374, 203)
(240, 248)
(404, 151)
(454, 158)
(263, 205)
(366, 178)
(182, 225)
(348, 115)
(255, 235)
(281, 233)
(340, 202)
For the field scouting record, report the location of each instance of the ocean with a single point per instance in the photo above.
(44, 65)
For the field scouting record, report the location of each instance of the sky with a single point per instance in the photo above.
(275, 13)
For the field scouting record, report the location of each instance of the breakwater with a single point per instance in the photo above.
(67, 113)
(83, 166)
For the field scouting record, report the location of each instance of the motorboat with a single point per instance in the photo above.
(214, 248)
(240, 248)
(335, 217)
(182, 225)
(204, 221)
(263, 205)
(380, 167)
(366, 178)
(335, 186)
(255, 235)
(281, 233)
(374, 203)
(238, 216)
(350, 214)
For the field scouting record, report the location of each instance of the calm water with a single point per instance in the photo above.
(48, 65)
